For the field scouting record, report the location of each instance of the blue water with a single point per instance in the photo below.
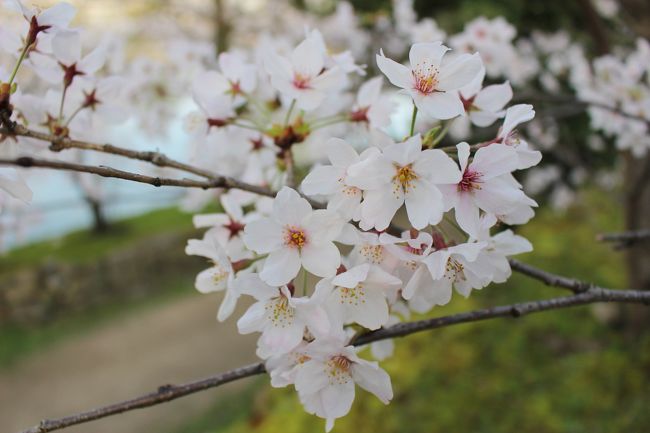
(58, 207)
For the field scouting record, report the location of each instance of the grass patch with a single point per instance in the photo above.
(558, 371)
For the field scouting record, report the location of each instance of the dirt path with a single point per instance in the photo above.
(172, 343)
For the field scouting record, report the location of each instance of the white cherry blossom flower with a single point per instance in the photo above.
(43, 21)
(326, 383)
(228, 227)
(68, 65)
(403, 174)
(295, 235)
(516, 115)
(371, 107)
(218, 277)
(331, 180)
(484, 105)
(455, 267)
(358, 295)
(433, 82)
(498, 248)
(301, 77)
(279, 316)
(486, 184)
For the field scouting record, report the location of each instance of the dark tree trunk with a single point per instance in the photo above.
(100, 223)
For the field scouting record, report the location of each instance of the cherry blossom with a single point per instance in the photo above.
(294, 236)
(403, 174)
(219, 277)
(358, 295)
(326, 382)
(486, 184)
(279, 316)
(301, 76)
(432, 82)
(331, 180)
(514, 116)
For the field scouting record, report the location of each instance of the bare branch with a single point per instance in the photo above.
(625, 239)
(171, 392)
(576, 286)
(217, 182)
(59, 144)
(573, 104)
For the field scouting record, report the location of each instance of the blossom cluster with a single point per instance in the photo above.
(378, 227)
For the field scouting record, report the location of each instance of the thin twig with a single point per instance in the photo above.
(172, 392)
(550, 279)
(217, 182)
(625, 239)
(156, 158)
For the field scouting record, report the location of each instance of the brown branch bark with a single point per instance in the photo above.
(216, 182)
(171, 392)
(625, 239)
(58, 144)
(550, 279)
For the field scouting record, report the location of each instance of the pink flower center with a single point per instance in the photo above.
(471, 181)
(360, 115)
(295, 237)
(426, 78)
(301, 81)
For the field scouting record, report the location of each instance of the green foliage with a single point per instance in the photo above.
(559, 371)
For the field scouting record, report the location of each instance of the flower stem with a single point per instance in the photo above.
(415, 114)
(18, 63)
(288, 117)
(65, 90)
(328, 123)
(441, 134)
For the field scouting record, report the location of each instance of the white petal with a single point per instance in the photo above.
(253, 319)
(373, 379)
(340, 153)
(307, 58)
(281, 266)
(429, 53)
(322, 180)
(423, 201)
(58, 15)
(438, 166)
(369, 92)
(263, 235)
(495, 160)
(289, 207)
(321, 259)
(514, 116)
(459, 72)
(439, 105)
(66, 46)
(494, 98)
(352, 277)
(396, 73)
(227, 305)
(467, 215)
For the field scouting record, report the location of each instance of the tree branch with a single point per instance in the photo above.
(625, 239)
(550, 279)
(171, 392)
(216, 182)
(59, 144)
